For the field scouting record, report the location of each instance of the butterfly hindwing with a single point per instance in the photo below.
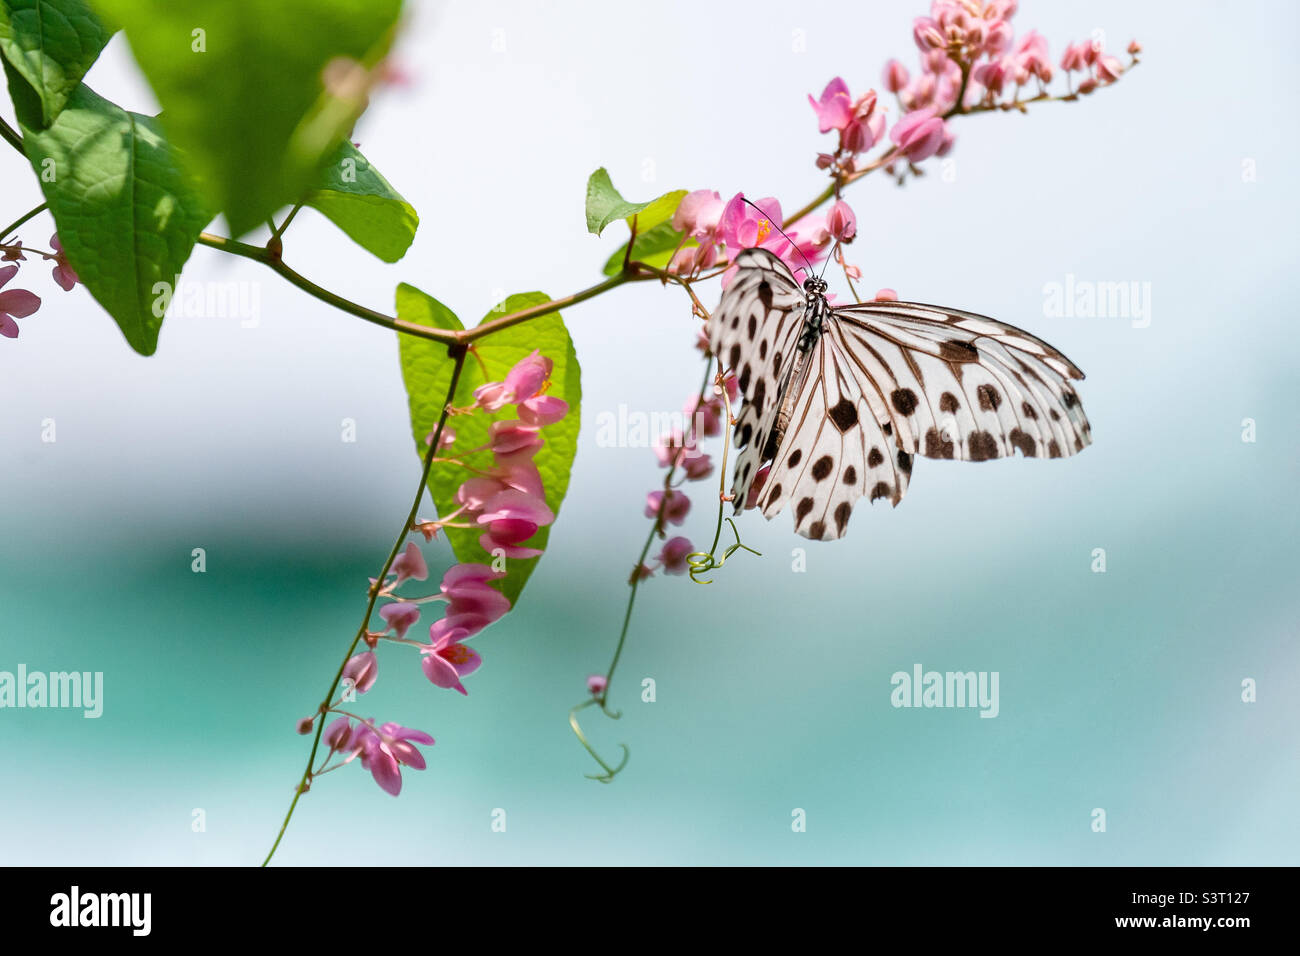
(835, 449)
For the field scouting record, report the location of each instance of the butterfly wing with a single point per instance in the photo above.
(839, 445)
(754, 332)
(964, 386)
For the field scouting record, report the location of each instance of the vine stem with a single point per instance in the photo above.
(450, 337)
(18, 222)
(10, 136)
(457, 353)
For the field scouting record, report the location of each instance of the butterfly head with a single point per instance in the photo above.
(815, 285)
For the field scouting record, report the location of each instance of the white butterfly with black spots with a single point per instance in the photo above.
(840, 399)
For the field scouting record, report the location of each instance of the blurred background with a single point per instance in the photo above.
(1119, 691)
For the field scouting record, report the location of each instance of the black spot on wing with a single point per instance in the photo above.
(936, 445)
(844, 414)
(1019, 439)
(842, 512)
(801, 512)
(904, 400)
(983, 446)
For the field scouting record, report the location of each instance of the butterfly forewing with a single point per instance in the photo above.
(965, 386)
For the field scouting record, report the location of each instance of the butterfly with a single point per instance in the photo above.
(839, 399)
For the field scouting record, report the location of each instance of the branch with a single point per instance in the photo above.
(447, 336)
(10, 136)
(457, 353)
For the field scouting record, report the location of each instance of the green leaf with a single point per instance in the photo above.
(127, 216)
(351, 194)
(654, 248)
(605, 204)
(241, 88)
(51, 44)
(426, 371)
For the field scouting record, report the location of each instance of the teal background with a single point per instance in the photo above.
(1118, 690)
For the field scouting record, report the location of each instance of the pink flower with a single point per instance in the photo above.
(744, 227)
(63, 273)
(410, 564)
(596, 684)
(447, 660)
(528, 376)
(512, 504)
(339, 734)
(698, 214)
(1075, 57)
(673, 555)
(998, 37)
(505, 536)
(472, 604)
(400, 616)
(448, 437)
(1031, 58)
(1108, 68)
(511, 517)
(14, 304)
(696, 464)
(895, 76)
(886, 295)
(993, 74)
(835, 108)
(542, 410)
(840, 221)
(926, 34)
(919, 134)
(705, 416)
(383, 749)
(514, 437)
(362, 670)
(675, 508)
(492, 396)
(522, 382)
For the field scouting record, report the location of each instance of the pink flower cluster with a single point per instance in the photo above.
(679, 452)
(19, 303)
(381, 749)
(969, 50)
(507, 501)
(724, 229)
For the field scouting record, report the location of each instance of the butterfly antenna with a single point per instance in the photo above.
(829, 257)
(811, 269)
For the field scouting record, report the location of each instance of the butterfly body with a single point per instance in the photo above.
(839, 400)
